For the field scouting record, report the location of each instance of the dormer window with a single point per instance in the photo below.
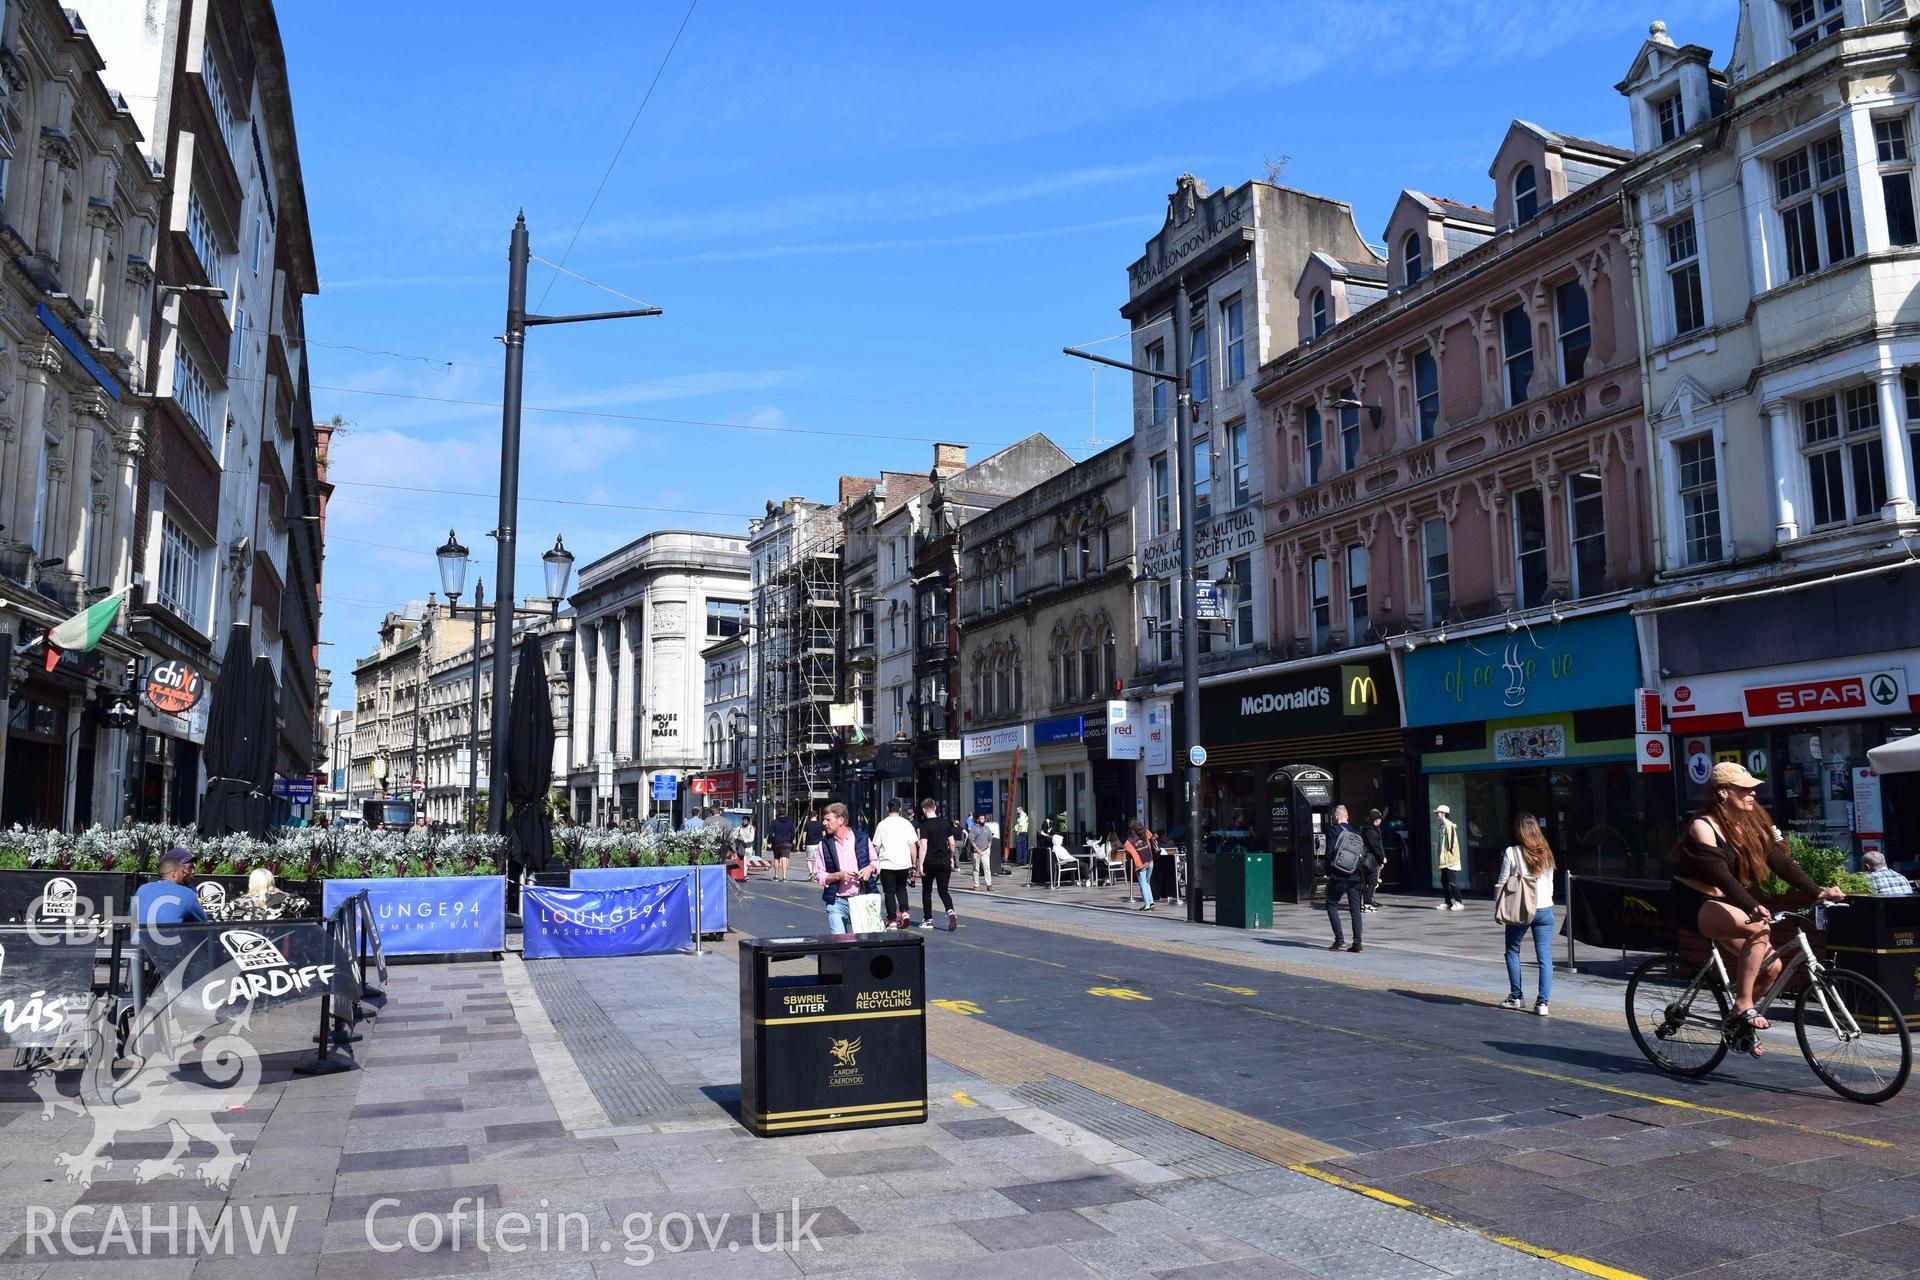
(1811, 21)
(1672, 117)
(1319, 312)
(1411, 258)
(1526, 195)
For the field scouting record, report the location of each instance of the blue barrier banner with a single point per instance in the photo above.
(431, 915)
(713, 887)
(638, 920)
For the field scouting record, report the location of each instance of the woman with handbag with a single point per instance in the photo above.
(1523, 902)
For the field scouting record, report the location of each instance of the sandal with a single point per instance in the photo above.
(1744, 1027)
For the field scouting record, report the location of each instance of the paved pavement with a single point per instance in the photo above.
(1115, 1096)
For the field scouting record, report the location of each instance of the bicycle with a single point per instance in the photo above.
(1850, 1031)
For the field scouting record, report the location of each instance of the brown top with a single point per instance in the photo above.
(1718, 864)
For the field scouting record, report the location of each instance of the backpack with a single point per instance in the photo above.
(1348, 849)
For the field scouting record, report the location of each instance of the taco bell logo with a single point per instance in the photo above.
(212, 894)
(252, 951)
(59, 900)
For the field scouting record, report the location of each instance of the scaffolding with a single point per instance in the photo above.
(797, 600)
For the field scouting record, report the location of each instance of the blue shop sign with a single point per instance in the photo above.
(1542, 668)
(1064, 729)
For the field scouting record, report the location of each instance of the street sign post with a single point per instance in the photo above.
(666, 786)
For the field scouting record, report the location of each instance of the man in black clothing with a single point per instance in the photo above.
(1346, 861)
(815, 832)
(780, 840)
(935, 858)
(1376, 854)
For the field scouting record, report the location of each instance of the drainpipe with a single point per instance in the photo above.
(1657, 511)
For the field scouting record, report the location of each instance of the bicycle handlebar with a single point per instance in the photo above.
(1808, 912)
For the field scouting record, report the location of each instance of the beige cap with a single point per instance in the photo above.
(1731, 773)
(1440, 808)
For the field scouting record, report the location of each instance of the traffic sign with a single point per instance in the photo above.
(666, 786)
(1197, 756)
(418, 786)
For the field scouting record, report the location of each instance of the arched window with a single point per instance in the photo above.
(1089, 666)
(1019, 692)
(1526, 194)
(1002, 699)
(1061, 660)
(980, 706)
(1083, 550)
(1109, 663)
(1411, 257)
(1319, 312)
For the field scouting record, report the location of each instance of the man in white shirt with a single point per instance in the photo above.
(893, 841)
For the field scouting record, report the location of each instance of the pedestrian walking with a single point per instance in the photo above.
(1021, 831)
(1530, 858)
(1376, 855)
(744, 836)
(895, 840)
(1140, 862)
(843, 866)
(1449, 860)
(814, 829)
(780, 837)
(980, 853)
(936, 863)
(1346, 861)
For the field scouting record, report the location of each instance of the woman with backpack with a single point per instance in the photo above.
(1523, 902)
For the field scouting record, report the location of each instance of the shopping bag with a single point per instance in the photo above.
(868, 916)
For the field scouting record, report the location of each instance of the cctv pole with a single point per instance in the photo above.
(1189, 624)
(515, 339)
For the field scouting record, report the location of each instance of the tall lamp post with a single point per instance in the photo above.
(1189, 633)
(518, 322)
(558, 565)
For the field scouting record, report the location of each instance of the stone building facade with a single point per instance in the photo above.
(1046, 609)
(448, 728)
(643, 614)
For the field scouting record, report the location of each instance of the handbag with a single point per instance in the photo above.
(1518, 900)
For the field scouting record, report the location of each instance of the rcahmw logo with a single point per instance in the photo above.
(1298, 700)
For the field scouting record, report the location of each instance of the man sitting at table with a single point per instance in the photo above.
(1887, 883)
(168, 900)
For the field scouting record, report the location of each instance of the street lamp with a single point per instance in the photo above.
(558, 563)
(453, 567)
(1178, 378)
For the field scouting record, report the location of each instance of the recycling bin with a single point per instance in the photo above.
(1244, 897)
(833, 1033)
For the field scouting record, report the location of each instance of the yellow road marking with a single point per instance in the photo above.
(839, 1017)
(1117, 993)
(1239, 991)
(963, 1099)
(1570, 1260)
(967, 1007)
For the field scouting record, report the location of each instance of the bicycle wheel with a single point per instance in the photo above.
(1869, 1064)
(1679, 1033)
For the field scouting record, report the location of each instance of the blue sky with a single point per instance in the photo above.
(881, 221)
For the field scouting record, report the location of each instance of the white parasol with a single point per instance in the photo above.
(1902, 755)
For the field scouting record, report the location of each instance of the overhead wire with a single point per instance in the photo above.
(568, 502)
(637, 111)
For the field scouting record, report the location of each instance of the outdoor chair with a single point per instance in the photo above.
(1065, 865)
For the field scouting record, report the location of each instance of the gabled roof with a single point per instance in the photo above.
(1567, 142)
(1461, 210)
(1364, 270)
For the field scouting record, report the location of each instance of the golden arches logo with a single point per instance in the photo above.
(1362, 690)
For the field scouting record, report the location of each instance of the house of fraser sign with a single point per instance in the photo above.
(1233, 534)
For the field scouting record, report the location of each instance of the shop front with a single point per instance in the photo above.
(173, 705)
(1537, 720)
(1342, 717)
(1803, 728)
(988, 763)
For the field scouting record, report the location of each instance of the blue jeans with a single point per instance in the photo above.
(1542, 931)
(840, 916)
(1146, 886)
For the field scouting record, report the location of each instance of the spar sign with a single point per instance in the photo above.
(1866, 694)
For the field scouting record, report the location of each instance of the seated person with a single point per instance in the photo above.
(263, 900)
(168, 900)
(1887, 882)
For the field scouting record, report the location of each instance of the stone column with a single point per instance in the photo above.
(603, 689)
(96, 272)
(628, 709)
(126, 463)
(88, 413)
(1786, 524)
(1756, 207)
(76, 707)
(37, 363)
(1893, 443)
(579, 700)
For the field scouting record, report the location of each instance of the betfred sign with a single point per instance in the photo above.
(1866, 694)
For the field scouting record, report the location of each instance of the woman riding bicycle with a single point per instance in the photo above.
(1729, 845)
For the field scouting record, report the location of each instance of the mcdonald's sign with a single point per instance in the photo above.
(1360, 691)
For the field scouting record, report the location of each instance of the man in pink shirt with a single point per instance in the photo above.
(842, 864)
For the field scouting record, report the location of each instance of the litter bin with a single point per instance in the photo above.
(1245, 884)
(833, 1033)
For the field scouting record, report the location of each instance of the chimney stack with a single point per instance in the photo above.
(949, 459)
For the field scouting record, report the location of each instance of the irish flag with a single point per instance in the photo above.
(83, 630)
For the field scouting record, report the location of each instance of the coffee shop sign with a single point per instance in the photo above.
(1233, 534)
(1191, 239)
